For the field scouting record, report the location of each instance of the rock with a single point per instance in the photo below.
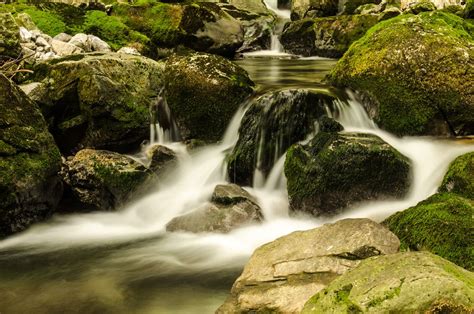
(460, 177)
(421, 6)
(82, 41)
(25, 35)
(98, 100)
(369, 8)
(98, 44)
(338, 170)
(231, 208)
(63, 49)
(326, 36)
(161, 157)
(104, 180)
(389, 13)
(30, 187)
(254, 6)
(404, 282)
(129, 50)
(9, 38)
(40, 41)
(25, 21)
(350, 6)
(300, 8)
(273, 123)
(281, 275)
(63, 37)
(422, 93)
(203, 92)
(442, 224)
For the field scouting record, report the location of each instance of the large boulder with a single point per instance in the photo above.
(98, 100)
(273, 123)
(203, 92)
(281, 275)
(30, 187)
(231, 207)
(312, 8)
(460, 177)
(337, 170)
(326, 36)
(9, 37)
(402, 283)
(442, 224)
(104, 180)
(417, 73)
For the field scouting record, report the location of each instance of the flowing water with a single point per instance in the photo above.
(125, 262)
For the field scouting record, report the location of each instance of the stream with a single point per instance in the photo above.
(125, 261)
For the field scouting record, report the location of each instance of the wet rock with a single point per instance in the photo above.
(460, 177)
(91, 100)
(281, 275)
(30, 187)
(326, 36)
(231, 207)
(273, 123)
(421, 94)
(442, 224)
(203, 92)
(104, 180)
(337, 170)
(161, 158)
(410, 282)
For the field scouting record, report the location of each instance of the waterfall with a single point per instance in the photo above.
(163, 128)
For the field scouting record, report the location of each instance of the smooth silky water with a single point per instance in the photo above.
(125, 262)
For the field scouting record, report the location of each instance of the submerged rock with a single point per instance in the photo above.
(412, 89)
(203, 92)
(460, 177)
(281, 275)
(326, 36)
(273, 123)
(104, 180)
(403, 282)
(337, 170)
(442, 224)
(231, 207)
(98, 100)
(30, 187)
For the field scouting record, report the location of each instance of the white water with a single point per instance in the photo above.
(191, 184)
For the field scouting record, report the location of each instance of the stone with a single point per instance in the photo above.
(25, 35)
(129, 50)
(9, 38)
(63, 49)
(82, 41)
(25, 21)
(335, 171)
(30, 187)
(282, 275)
(300, 8)
(409, 282)
(161, 158)
(63, 37)
(460, 177)
(422, 93)
(98, 44)
(104, 180)
(203, 92)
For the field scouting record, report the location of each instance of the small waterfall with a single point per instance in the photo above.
(163, 129)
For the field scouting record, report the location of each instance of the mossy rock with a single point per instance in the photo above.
(98, 100)
(350, 6)
(337, 170)
(301, 9)
(203, 92)
(412, 90)
(271, 124)
(326, 36)
(409, 282)
(9, 38)
(421, 6)
(460, 177)
(103, 180)
(29, 162)
(442, 224)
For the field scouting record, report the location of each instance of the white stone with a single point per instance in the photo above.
(65, 49)
(63, 37)
(82, 41)
(25, 35)
(129, 50)
(40, 41)
(98, 44)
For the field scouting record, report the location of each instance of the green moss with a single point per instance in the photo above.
(460, 177)
(442, 224)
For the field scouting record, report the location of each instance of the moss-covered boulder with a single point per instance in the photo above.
(413, 90)
(326, 36)
(350, 6)
(273, 123)
(402, 283)
(337, 170)
(9, 38)
(104, 180)
(442, 224)
(281, 275)
(98, 100)
(421, 6)
(231, 207)
(30, 187)
(460, 177)
(203, 92)
(301, 9)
